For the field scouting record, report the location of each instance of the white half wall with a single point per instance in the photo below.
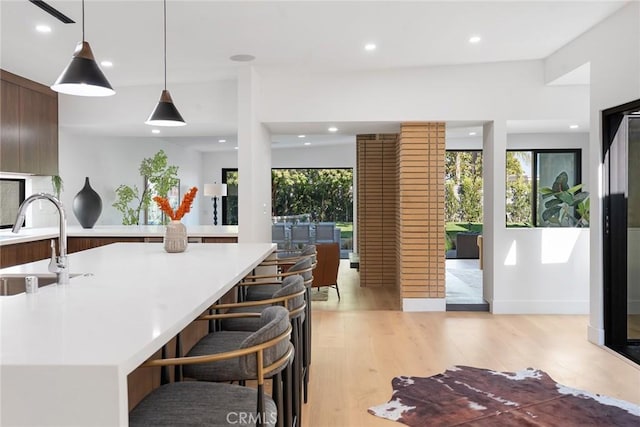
(543, 271)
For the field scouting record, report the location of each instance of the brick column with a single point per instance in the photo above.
(377, 189)
(420, 216)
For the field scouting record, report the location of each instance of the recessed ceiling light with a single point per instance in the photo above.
(474, 39)
(222, 140)
(155, 131)
(370, 46)
(333, 129)
(302, 136)
(307, 143)
(106, 64)
(235, 148)
(43, 28)
(573, 127)
(472, 134)
(242, 58)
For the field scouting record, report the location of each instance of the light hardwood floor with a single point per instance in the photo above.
(362, 342)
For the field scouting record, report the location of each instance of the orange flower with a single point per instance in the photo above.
(184, 208)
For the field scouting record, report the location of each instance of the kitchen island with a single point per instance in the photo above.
(66, 351)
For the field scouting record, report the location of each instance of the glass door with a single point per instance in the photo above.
(633, 232)
(621, 147)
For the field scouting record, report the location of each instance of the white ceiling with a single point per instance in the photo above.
(315, 35)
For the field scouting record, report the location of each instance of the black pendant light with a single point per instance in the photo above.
(165, 113)
(83, 77)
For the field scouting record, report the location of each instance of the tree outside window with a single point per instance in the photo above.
(542, 189)
(463, 186)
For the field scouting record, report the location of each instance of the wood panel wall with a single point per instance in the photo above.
(420, 216)
(377, 188)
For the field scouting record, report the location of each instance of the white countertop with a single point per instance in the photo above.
(42, 233)
(72, 346)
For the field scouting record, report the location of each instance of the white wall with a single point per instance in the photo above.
(613, 50)
(139, 101)
(325, 156)
(512, 90)
(109, 162)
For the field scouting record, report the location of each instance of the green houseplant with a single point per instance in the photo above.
(57, 184)
(565, 206)
(159, 177)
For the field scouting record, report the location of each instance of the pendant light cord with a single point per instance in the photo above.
(82, 20)
(165, 44)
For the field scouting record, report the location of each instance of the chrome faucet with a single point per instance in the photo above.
(58, 264)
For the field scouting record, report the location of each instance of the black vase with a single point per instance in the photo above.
(87, 205)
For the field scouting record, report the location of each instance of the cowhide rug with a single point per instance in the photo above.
(466, 396)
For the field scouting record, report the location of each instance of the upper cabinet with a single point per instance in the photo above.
(28, 126)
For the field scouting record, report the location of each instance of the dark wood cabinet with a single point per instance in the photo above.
(29, 126)
(77, 244)
(219, 240)
(10, 127)
(22, 253)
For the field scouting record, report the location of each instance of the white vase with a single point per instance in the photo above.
(175, 237)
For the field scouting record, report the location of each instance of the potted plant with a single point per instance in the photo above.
(158, 175)
(565, 206)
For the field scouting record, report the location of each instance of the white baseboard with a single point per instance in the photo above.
(595, 335)
(539, 307)
(424, 304)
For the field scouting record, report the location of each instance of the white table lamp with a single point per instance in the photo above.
(215, 191)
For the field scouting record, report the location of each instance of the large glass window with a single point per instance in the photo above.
(542, 189)
(321, 194)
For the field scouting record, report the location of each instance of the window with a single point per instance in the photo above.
(530, 174)
(230, 202)
(11, 196)
(320, 195)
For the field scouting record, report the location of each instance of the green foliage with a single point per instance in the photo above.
(463, 186)
(453, 226)
(518, 191)
(57, 184)
(451, 202)
(326, 194)
(159, 178)
(564, 206)
(471, 199)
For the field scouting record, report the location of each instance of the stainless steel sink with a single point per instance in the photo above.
(13, 284)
